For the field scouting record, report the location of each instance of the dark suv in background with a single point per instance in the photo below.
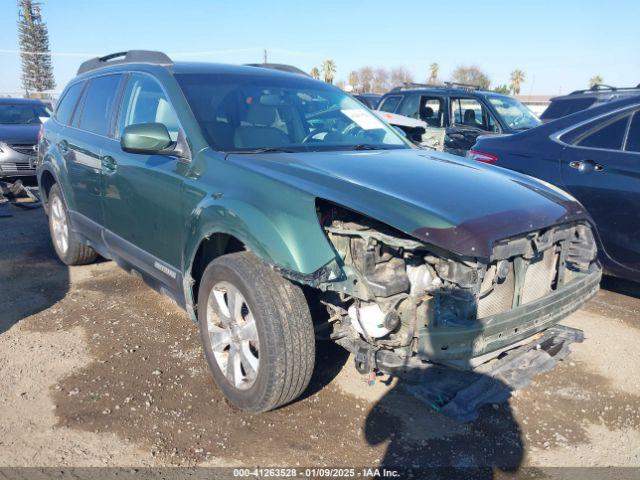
(20, 121)
(456, 114)
(582, 99)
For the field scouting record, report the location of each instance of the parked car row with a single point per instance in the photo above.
(271, 206)
(455, 114)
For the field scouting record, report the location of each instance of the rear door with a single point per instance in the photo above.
(81, 146)
(142, 193)
(601, 168)
(469, 118)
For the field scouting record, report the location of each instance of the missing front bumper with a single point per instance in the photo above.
(491, 334)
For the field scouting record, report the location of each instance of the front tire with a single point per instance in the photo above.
(256, 331)
(66, 243)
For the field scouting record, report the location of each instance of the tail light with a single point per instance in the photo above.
(482, 156)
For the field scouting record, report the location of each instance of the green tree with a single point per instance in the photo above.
(315, 73)
(33, 37)
(595, 80)
(471, 75)
(434, 70)
(504, 89)
(329, 70)
(517, 79)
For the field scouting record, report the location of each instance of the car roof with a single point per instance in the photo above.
(22, 101)
(444, 91)
(195, 68)
(600, 91)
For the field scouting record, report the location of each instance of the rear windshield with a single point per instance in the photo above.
(562, 108)
(23, 114)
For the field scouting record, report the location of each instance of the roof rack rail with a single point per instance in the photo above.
(279, 66)
(412, 85)
(130, 56)
(594, 88)
(467, 86)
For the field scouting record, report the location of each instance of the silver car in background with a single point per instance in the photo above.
(20, 121)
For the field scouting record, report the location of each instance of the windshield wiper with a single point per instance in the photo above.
(366, 146)
(264, 150)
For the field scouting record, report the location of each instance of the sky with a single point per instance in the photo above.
(559, 44)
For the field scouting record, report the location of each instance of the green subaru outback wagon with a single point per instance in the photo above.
(276, 209)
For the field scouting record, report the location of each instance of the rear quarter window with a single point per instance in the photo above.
(67, 104)
(607, 133)
(98, 104)
(633, 136)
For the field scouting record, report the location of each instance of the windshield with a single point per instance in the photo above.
(22, 114)
(514, 114)
(249, 112)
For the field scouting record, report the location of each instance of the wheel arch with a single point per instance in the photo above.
(218, 228)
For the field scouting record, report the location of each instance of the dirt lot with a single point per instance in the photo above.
(97, 369)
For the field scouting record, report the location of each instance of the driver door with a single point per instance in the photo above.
(469, 118)
(142, 196)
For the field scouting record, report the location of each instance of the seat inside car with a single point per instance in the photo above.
(257, 129)
(470, 117)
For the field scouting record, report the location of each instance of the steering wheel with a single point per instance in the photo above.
(310, 136)
(353, 130)
(517, 121)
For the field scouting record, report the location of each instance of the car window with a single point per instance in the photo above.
(633, 137)
(98, 104)
(410, 106)
(513, 113)
(390, 104)
(561, 108)
(471, 113)
(609, 136)
(247, 112)
(145, 102)
(431, 110)
(22, 113)
(67, 104)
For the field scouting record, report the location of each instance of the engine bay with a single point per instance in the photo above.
(397, 291)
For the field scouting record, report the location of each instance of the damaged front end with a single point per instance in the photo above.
(397, 302)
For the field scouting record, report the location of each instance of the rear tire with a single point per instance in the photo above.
(256, 331)
(68, 246)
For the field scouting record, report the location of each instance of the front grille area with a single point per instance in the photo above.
(535, 270)
(15, 166)
(24, 148)
(498, 298)
(540, 276)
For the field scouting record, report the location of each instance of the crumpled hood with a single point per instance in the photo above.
(448, 201)
(19, 133)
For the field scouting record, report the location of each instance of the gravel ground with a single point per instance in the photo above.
(97, 369)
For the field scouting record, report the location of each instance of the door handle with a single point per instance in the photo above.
(586, 166)
(109, 164)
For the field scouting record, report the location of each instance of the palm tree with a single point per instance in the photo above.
(434, 69)
(595, 80)
(329, 70)
(315, 73)
(517, 79)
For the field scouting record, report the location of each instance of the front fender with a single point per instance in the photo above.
(289, 238)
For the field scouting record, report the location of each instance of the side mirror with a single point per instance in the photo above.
(145, 138)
